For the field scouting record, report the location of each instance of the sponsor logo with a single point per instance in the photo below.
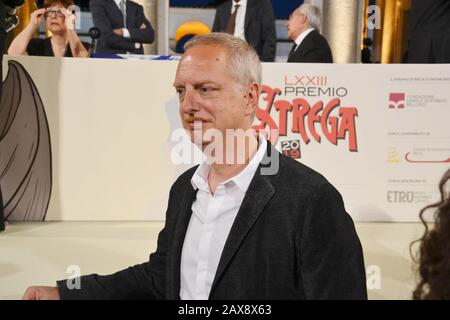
(397, 100)
(393, 156)
(400, 196)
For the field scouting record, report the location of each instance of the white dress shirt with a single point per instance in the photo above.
(302, 37)
(239, 30)
(209, 226)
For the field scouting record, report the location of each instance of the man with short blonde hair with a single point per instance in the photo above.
(244, 61)
(233, 231)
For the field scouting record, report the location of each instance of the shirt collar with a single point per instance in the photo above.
(241, 3)
(242, 180)
(302, 36)
(118, 2)
(200, 178)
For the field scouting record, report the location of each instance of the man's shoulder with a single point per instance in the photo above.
(300, 174)
(261, 4)
(223, 6)
(135, 4)
(316, 37)
(96, 3)
(299, 181)
(185, 178)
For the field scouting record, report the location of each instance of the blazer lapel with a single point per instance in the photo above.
(258, 195)
(181, 226)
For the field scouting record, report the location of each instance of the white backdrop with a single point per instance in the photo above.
(111, 122)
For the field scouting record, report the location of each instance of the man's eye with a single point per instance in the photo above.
(205, 89)
(180, 91)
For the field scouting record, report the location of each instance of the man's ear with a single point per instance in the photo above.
(252, 95)
(305, 19)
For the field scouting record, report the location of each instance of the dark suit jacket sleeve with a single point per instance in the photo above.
(143, 281)
(137, 34)
(101, 21)
(332, 263)
(268, 33)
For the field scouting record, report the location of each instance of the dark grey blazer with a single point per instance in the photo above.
(291, 239)
(313, 49)
(259, 26)
(107, 16)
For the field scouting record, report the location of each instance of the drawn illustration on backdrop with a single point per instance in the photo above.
(25, 148)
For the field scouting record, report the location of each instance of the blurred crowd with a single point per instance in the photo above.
(123, 28)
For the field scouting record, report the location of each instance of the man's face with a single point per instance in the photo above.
(295, 24)
(210, 98)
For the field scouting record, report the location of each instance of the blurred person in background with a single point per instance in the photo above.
(309, 45)
(366, 52)
(252, 21)
(123, 26)
(64, 41)
(434, 253)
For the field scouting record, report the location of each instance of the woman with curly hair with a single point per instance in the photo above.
(434, 252)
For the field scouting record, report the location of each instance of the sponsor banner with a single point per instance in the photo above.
(379, 133)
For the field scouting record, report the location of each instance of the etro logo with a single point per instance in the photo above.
(397, 100)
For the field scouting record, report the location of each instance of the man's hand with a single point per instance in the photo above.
(41, 293)
(118, 32)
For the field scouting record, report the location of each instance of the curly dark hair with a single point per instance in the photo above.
(434, 253)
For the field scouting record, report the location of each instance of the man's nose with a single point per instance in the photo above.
(190, 103)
